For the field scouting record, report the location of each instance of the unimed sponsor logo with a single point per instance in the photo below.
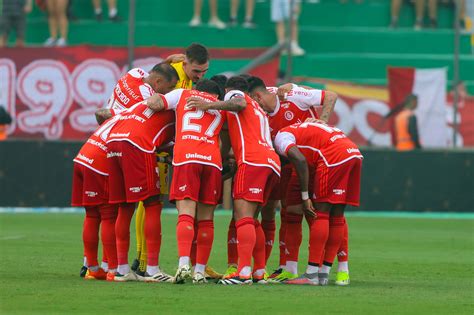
(112, 154)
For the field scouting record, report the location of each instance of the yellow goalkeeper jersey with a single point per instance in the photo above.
(184, 82)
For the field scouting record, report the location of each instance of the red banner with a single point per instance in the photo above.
(53, 93)
(360, 111)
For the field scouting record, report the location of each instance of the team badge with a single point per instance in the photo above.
(289, 115)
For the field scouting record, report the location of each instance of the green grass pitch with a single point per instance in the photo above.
(404, 266)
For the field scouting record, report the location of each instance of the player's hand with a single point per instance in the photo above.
(283, 90)
(315, 120)
(308, 208)
(196, 103)
(174, 58)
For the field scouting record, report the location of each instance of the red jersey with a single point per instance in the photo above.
(250, 135)
(296, 108)
(197, 131)
(317, 141)
(93, 153)
(129, 90)
(143, 127)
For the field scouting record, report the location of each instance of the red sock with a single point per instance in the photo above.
(90, 235)
(153, 232)
(205, 237)
(246, 238)
(122, 231)
(343, 251)
(185, 234)
(269, 230)
(259, 248)
(108, 216)
(194, 246)
(282, 235)
(336, 235)
(293, 237)
(232, 256)
(318, 236)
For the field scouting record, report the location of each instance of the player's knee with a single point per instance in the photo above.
(92, 213)
(108, 212)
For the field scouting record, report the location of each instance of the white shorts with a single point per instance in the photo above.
(280, 9)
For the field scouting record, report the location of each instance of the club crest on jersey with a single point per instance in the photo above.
(289, 115)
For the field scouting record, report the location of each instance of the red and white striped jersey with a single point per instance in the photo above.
(143, 127)
(197, 131)
(250, 134)
(129, 90)
(296, 108)
(317, 141)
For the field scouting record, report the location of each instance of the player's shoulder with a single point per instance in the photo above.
(137, 73)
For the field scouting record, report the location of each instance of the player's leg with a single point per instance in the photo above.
(108, 216)
(139, 232)
(336, 236)
(204, 240)
(153, 208)
(196, 20)
(185, 235)
(395, 12)
(90, 238)
(269, 226)
(232, 255)
(342, 276)
(258, 254)
(420, 12)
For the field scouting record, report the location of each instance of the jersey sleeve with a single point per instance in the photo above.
(172, 98)
(145, 91)
(305, 98)
(284, 141)
(233, 93)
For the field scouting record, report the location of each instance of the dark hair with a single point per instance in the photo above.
(208, 86)
(246, 76)
(237, 83)
(221, 80)
(197, 53)
(256, 83)
(166, 70)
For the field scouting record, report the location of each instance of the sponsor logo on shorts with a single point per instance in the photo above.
(135, 189)
(91, 194)
(255, 190)
(289, 115)
(182, 188)
(338, 191)
(353, 150)
(112, 154)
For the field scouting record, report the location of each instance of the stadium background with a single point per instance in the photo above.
(347, 45)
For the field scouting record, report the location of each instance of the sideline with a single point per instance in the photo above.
(355, 214)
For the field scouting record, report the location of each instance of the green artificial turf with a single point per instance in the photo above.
(404, 266)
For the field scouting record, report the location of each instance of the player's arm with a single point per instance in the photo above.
(329, 102)
(285, 143)
(301, 166)
(234, 101)
(102, 114)
(158, 102)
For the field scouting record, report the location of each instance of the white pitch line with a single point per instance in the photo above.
(11, 237)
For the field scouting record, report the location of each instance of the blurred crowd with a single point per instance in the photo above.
(59, 12)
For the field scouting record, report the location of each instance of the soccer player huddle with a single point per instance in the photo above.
(270, 140)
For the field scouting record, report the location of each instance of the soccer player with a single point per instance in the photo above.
(328, 166)
(258, 172)
(134, 87)
(90, 190)
(286, 105)
(196, 186)
(133, 177)
(193, 67)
